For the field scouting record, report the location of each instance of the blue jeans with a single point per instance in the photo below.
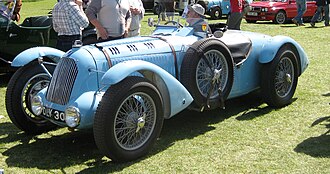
(65, 42)
(301, 9)
(319, 12)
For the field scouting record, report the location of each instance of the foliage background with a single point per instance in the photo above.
(246, 137)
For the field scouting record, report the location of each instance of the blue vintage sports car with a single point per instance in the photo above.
(124, 89)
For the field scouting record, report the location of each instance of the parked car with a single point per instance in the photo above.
(124, 89)
(278, 11)
(215, 8)
(33, 31)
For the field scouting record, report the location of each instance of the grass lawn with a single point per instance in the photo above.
(246, 137)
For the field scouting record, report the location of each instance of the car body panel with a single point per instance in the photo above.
(31, 54)
(179, 97)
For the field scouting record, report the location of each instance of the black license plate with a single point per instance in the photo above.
(53, 114)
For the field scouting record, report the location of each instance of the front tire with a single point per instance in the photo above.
(280, 78)
(24, 84)
(280, 18)
(129, 119)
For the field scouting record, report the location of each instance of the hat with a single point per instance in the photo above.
(197, 8)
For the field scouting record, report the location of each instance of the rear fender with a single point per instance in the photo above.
(175, 96)
(31, 54)
(270, 49)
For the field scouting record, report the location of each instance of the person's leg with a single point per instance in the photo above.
(239, 21)
(233, 20)
(316, 15)
(326, 13)
(65, 43)
(296, 19)
(301, 13)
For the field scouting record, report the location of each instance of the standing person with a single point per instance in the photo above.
(195, 17)
(321, 5)
(301, 9)
(111, 18)
(236, 14)
(9, 10)
(137, 12)
(69, 20)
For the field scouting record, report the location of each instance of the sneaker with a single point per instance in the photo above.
(295, 22)
(312, 24)
(301, 24)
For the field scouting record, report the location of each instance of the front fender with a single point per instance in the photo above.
(30, 54)
(270, 48)
(174, 94)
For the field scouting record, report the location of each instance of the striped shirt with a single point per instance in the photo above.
(68, 18)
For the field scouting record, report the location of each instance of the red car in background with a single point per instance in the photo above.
(278, 11)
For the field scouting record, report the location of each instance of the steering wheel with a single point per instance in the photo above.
(173, 23)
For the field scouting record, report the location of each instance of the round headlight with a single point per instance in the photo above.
(36, 105)
(72, 116)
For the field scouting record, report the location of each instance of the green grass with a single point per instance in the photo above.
(247, 137)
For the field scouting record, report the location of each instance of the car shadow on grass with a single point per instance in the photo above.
(54, 152)
(317, 146)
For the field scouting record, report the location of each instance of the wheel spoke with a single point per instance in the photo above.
(205, 73)
(135, 121)
(31, 88)
(284, 77)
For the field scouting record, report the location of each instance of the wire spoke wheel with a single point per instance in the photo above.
(284, 77)
(128, 119)
(279, 78)
(26, 82)
(207, 71)
(206, 74)
(31, 88)
(135, 121)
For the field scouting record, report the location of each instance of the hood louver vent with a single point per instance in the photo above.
(117, 50)
(149, 45)
(114, 50)
(132, 48)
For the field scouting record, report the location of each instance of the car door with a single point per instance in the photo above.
(311, 8)
(291, 9)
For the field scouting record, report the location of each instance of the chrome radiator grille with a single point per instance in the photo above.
(62, 82)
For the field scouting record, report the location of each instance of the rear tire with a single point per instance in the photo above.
(280, 78)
